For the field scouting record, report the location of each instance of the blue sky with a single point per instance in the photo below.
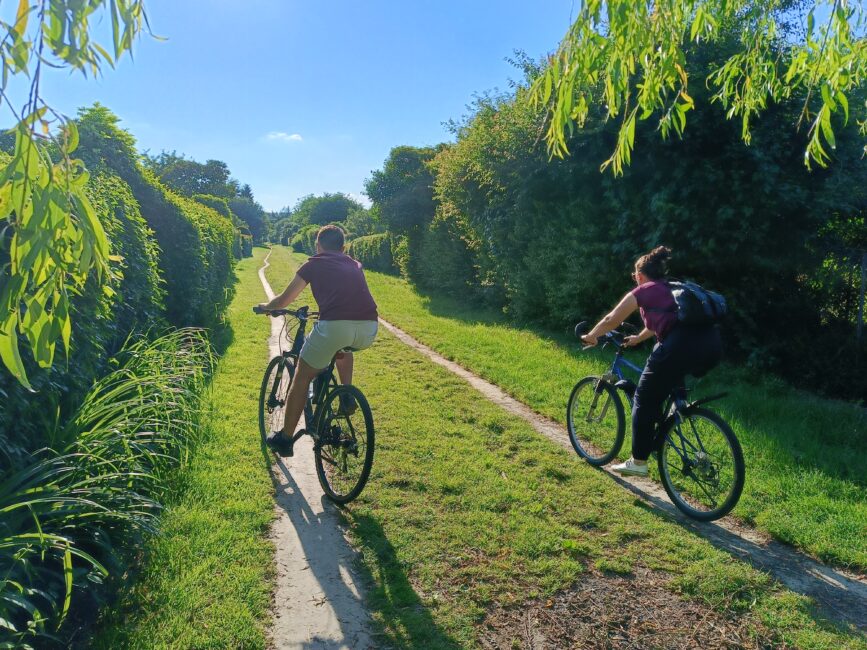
(336, 84)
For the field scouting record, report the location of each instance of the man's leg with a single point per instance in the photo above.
(304, 374)
(344, 365)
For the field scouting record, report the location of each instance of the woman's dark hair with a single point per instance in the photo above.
(655, 264)
(331, 237)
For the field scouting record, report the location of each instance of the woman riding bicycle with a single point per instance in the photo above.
(680, 350)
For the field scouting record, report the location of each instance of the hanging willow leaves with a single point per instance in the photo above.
(51, 238)
(623, 55)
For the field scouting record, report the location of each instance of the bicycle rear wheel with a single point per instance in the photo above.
(344, 444)
(595, 420)
(701, 465)
(272, 394)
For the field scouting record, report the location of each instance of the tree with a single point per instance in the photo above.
(627, 60)
(53, 241)
(253, 215)
(403, 188)
(189, 177)
(325, 209)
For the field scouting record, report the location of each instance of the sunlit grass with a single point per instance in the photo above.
(468, 509)
(206, 578)
(805, 472)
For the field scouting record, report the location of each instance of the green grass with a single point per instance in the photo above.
(207, 577)
(468, 509)
(805, 468)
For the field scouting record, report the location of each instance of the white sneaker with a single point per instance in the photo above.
(630, 468)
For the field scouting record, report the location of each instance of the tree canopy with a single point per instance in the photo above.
(626, 60)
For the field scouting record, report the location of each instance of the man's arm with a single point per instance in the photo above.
(289, 294)
(641, 337)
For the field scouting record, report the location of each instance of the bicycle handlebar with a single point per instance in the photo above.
(303, 313)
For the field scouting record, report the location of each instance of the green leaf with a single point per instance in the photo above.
(9, 353)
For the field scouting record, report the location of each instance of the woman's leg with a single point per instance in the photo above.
(655, 384)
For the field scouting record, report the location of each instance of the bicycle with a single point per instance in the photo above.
(700, 460)
(342, 450)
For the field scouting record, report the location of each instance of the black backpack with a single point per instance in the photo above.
(695, 305)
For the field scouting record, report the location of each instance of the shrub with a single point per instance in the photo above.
(100, 325)
(68, 515)
(373, 251)
(304, 241)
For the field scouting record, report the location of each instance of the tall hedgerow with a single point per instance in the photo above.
(373, 251)
(132, 301)
(195, 242)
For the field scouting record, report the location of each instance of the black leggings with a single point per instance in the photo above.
(686, 350)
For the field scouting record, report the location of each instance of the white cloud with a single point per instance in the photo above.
(280, 136)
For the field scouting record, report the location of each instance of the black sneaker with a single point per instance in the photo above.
(348, 405)
(280, 444)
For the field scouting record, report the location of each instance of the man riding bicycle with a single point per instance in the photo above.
(347, 320)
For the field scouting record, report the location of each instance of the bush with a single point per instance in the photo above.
(72, 516)
(194, 240)
(304, 241)
(373, 251)
(101, 322)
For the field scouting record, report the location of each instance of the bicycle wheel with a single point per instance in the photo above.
(701, 465)
(272, 394)
(595, 420)
(344, 445)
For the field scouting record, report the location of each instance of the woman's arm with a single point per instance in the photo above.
(289, 294)
(641, 337)
(619, 314)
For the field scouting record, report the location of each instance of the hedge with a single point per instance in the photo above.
(242, 242)
(373, 251)
(100, 325)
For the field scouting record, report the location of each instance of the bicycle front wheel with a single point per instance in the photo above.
(344, 443)
(701, 465)
(272, 394)
(595, 420)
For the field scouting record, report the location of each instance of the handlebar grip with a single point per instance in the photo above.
(258, 310)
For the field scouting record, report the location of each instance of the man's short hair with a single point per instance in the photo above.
(331, 238)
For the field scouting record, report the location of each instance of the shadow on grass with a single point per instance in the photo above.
(403, 620)
(406, 620)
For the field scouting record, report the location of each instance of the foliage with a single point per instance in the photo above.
(68, 515)
(242, 240)
(55, 239)
(628, 60)
(325, 209)
(403, 189)
(361, 222)
(100, 325)
(552, 241)
(252, 214)
(188, 177)
(211, 561)
(304, 241)
(373, 251)
(195, 241)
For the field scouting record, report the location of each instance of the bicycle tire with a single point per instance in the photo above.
(272, 394)
(595, 444)
(340, 445)
(686, 488)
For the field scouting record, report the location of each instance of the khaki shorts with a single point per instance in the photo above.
(330, 336)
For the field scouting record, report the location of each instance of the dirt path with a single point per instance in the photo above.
(840, 595)
(318, 602)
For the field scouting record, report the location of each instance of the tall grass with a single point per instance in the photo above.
(68, 514)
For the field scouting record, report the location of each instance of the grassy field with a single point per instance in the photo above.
(806, 483)
(470, 516)
(206, 579)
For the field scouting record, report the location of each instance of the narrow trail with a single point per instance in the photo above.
(840, 595)
(318, 601)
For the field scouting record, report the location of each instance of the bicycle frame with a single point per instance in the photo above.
(674, 405)
(320, 383)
